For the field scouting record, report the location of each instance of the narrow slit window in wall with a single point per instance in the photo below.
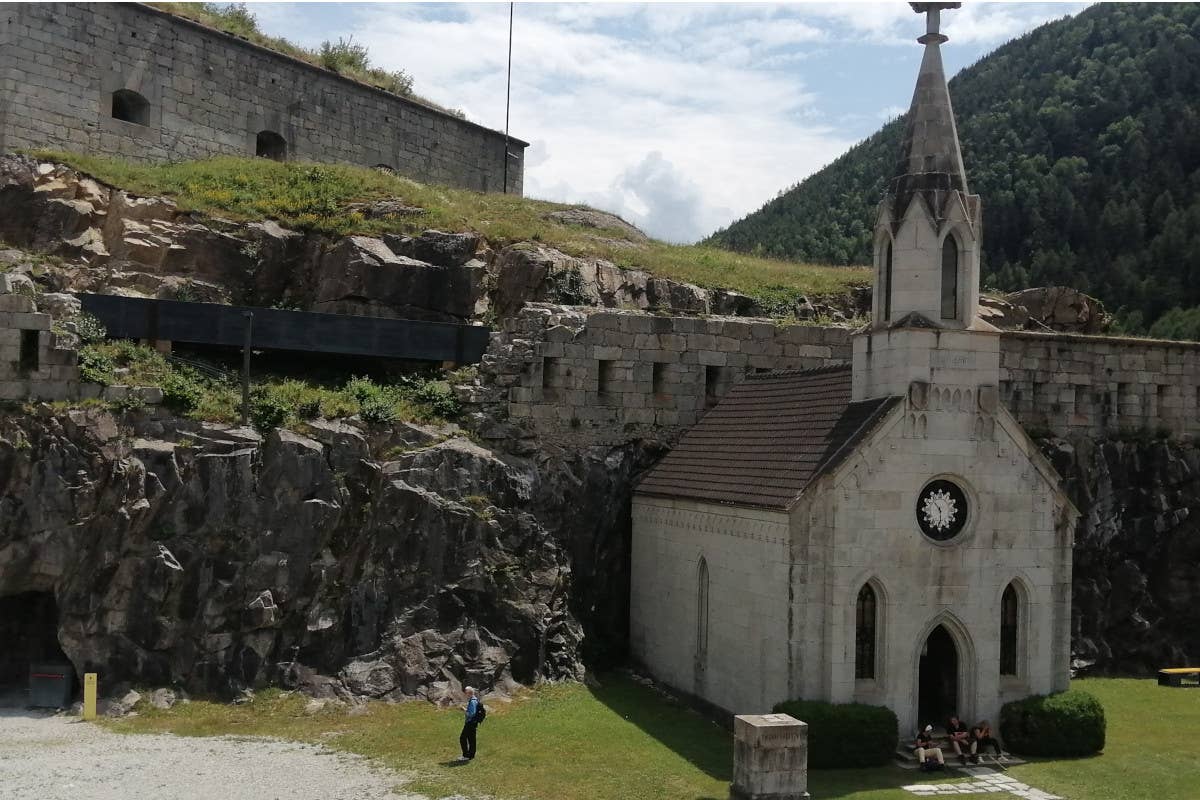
(949, 278)
(864, 634)
(1009, 623)
(702, 609)
(604, 377)
(887, 282)
(658, 378)
(29, 352)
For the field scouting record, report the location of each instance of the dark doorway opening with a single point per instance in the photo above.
(28, 636)
(937, 696)
(269, 144)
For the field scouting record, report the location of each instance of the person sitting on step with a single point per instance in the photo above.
(981, 736)
(926, 752)
(960, 738)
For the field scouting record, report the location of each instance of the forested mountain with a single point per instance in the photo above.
(1083, 138)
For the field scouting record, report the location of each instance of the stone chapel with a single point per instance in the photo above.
(883, 532)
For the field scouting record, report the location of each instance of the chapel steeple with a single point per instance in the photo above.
(929, 164)
(927, 232)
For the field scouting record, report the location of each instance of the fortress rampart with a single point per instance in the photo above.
(128, 80)
(1100, 384)
(578, 376)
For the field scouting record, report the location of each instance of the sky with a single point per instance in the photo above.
(679, 117)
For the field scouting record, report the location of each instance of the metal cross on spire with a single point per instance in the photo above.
(933, 20)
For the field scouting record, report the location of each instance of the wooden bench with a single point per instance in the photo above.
(1175, 675)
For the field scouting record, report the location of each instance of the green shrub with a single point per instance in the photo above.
(363, 390)
(90, 329)
(309, 408)
(182, 391)
(378, 411)
(1067, 724)
(845, 735)
(268, 411)
(95, 366)
(130, 402)
(438, 398)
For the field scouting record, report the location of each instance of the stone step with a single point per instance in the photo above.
(907, 759)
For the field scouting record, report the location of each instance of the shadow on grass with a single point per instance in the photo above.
(704, 744)
(709, 747)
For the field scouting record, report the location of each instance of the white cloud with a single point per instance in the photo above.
(679, 116)
(662, 127)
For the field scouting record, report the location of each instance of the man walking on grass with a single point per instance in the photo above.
(466, 740)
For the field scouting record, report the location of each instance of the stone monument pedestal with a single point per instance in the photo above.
(770, 758)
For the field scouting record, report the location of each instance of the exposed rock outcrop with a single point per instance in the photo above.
(591, 218)
(218, 560)
(1136, 582)
(116, 242)
(1051, 308)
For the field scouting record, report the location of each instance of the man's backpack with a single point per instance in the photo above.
(480, 713)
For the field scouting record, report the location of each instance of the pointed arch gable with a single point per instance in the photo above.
(964, 644)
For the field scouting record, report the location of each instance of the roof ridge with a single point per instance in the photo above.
(780, 373)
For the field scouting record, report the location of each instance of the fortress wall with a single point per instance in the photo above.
(210, 93)
(580, 376)
(1100, 385)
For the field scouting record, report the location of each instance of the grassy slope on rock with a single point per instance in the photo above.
(622, 740)
(315, 197)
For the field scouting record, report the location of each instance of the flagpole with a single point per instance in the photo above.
(508, 95)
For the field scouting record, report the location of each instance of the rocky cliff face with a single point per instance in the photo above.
(217, 560)
(1137, 552)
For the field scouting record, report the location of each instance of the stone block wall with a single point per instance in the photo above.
(1100, 385)
(35, 361)
(582, 376)
(209, 93)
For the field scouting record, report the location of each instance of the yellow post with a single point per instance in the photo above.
(89, 695)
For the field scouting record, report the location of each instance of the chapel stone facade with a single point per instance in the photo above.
(885, 532)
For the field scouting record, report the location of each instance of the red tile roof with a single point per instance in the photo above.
(767, 439)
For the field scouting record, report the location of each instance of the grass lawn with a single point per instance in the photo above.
(622, 740)
(316, 197)
(1151, 749)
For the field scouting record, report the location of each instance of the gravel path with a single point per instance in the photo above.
(44, 757)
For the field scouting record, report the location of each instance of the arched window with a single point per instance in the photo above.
(702, 609)
(129, 106)
(949, 278)
(864, 633)
(1009, 625)
(269, 144)
(887, 282)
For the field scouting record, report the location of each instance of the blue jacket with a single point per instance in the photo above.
(472, 709)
